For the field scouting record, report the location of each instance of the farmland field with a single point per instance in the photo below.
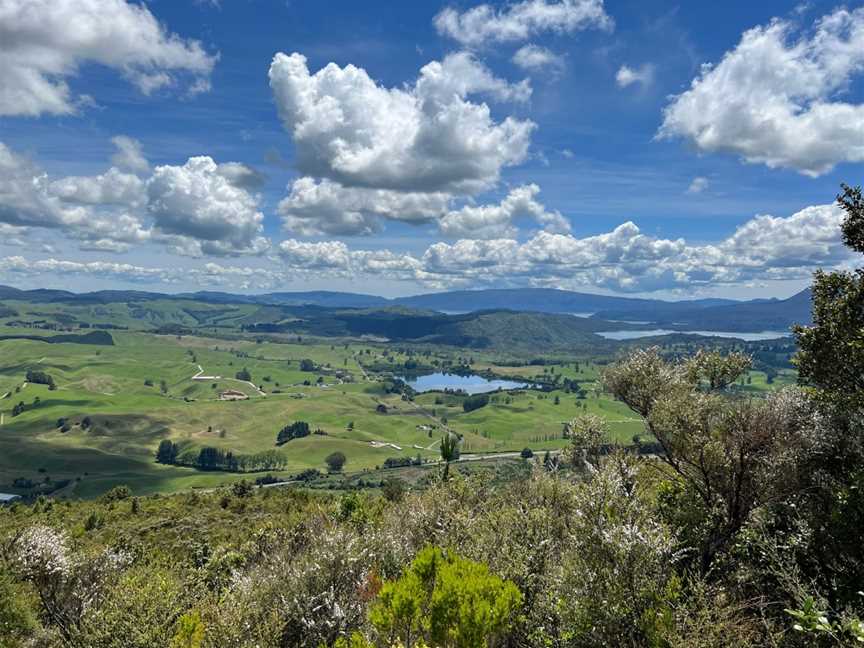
(119, 390)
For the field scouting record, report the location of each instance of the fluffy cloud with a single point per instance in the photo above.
(520, 21)
(122, 271)
(423, 138)
(776, 99)
(326, 207)
(498, 221)
(44, 42)
(698, 185)
(201, 203)
(326, 255)
(129, 155)
(336, 259)
(643, 75)
(199, 208)
(210, 274)
(321, 208)
(806, 239)
(625, 259)
(765, 247)
(241, 175)
(535, 58)
(110, 188)
(25, 198)
(28, 198)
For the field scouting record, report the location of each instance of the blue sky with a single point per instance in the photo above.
(574, 144)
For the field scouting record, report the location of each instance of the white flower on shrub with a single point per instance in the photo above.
(40, 553)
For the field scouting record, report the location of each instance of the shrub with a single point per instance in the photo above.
(242, 488)
(336, 461)
(117, 493)
(447, 600)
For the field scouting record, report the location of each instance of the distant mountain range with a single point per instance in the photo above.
(700, 314)
(748, 316)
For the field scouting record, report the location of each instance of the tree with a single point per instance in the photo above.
(587, 434)
(449, 451)
(307, 365)
(831, 351)
(167, 452)
(853, 226)
(445, 600)
(393, 489)
(244, 374)
(40, 378)
(295, 430)
(210, 458)
(725, 457)
(718, 370)
(336, 461)
(475, 402)
(526, 453)
(830, 363)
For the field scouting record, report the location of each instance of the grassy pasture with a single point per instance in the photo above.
(129, 418)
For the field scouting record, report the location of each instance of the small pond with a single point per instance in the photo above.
(471, 384)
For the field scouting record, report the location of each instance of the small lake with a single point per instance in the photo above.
(470, 384)
(747, 337)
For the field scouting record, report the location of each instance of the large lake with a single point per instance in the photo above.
(469, 384)
(748, 337)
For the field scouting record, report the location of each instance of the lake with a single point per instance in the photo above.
(472, 384)
(747, 337)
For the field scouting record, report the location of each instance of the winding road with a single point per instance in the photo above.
(199, 377)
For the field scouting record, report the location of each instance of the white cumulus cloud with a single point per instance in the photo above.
(326, 207)
(199, 202)
(113, 187)
(625, 259)
(199, 208)
(483, 24)
(422, 138)
(535, 58)
(643, 75)
(777, 98)
(698, 185)
(498, 221)
(129, 155)
(44, 43)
